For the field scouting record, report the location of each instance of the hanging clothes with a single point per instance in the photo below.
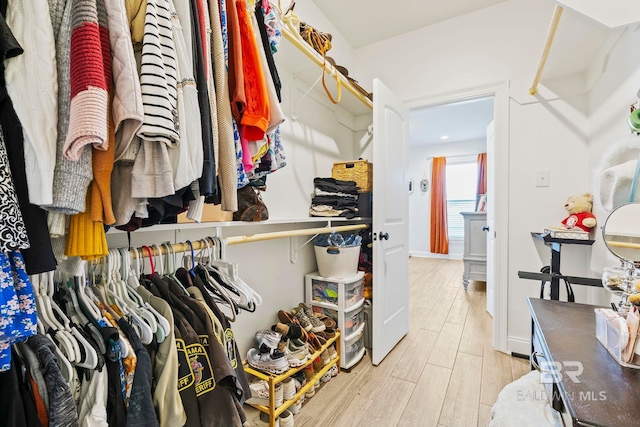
(71, 178)
(187, 160)
(39, 257)
(32, 85)
(17, 306)
(226, 159)
(166, 397)
(127, 107)
(62, 410)
(255, 119)
(89, 83)
(208, 181)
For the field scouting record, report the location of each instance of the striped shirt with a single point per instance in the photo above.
(158, 76)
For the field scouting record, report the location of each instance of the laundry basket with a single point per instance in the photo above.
(337, 262)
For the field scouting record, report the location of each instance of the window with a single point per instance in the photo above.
(461, 195)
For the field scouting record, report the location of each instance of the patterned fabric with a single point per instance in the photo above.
(17, 306)
(280, 158)
(62, 409)
(13, 234)
(274, 27)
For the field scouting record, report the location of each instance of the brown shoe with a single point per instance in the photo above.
(329, 323)
(318, 364)
(329, 333)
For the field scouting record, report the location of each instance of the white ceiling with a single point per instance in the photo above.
(363, 22)
(461, 121)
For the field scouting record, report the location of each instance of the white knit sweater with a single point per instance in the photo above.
(32, 84)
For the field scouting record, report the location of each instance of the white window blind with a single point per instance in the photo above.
(455, 221)
(461, 195)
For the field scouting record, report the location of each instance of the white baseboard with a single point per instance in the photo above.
(518, 345)
(432, 255)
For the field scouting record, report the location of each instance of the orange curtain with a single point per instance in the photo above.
(482, 174)
(439, 235)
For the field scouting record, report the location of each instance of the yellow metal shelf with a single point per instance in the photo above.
(273, 379)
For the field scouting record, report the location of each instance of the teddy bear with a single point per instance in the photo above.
(579, 209)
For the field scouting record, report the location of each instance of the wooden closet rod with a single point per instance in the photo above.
(236, 240)
(557, 12)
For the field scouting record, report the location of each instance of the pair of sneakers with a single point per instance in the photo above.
(296, 352)
(303, 313)
(267, 357)
(260, 394)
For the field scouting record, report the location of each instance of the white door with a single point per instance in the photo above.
(390, 222)
(491, 233)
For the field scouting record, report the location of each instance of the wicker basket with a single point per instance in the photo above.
(360, 171)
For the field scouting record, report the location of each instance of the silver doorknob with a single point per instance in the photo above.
(485, 228)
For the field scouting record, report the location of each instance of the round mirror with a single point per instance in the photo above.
(621, 232)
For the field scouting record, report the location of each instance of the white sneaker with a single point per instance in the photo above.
(260, 394)
(297, 406)
(296, 355)
(334, 371)
(289, 387)
(268, 338)
(326, 377)
(286, 419)
(311, 392)
(275, 363)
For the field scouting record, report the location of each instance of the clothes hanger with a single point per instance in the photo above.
(63, 363)
(217, 291)
(85, 354)
(164, 327)
(90, 326)
(97, 293)
(231, 272)
(141, 320)
(171, 265)
(54, 328)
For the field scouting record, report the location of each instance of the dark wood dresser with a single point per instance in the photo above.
(588, 386)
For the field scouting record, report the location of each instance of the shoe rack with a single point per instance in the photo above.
(273, 380)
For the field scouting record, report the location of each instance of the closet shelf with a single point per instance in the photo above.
(295, 56)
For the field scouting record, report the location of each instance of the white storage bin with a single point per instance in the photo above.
(336, 294)
(352, 351)
(337, 262)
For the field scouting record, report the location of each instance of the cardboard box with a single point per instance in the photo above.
(210, 213)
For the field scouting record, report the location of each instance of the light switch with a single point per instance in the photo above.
(542, 178)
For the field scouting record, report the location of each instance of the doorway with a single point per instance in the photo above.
(458, 132)
(497, 206)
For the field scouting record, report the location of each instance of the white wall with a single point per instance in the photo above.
(614, 90)
(419, 202)
(549, 132)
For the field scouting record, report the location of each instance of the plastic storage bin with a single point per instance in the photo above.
(337, 294)
(353, 351)
(337, 262)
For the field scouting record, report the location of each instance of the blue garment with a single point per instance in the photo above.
(18, 318)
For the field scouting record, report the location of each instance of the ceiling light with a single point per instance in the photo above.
(444, 137)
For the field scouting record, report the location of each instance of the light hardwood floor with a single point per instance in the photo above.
(443, 373)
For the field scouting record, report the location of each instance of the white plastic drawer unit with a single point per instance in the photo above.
(351, 323)
(337, 294)
(353, 350)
